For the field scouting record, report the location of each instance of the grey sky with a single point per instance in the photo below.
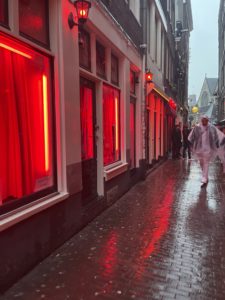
(203, 43)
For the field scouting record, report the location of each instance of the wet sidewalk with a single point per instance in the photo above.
(165, 239)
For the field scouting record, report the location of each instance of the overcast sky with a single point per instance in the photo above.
(203, 43)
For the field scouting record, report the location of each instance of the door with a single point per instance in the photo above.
(88, 143)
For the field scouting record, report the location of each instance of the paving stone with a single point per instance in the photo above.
(163, 240)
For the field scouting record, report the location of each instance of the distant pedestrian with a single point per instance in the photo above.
(186, 143)
(204, 140)
(176, 142)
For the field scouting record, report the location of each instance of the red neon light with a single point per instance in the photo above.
(148, 77)
(46, 131)
(15, 50)
(117, 123)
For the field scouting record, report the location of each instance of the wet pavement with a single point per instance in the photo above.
(165, 239)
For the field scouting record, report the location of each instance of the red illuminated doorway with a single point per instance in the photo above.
(88, 143)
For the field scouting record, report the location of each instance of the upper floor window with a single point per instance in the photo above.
(114, 69)
(84, 49)
(4, 12)
(33, 20)
(100, 60)
(132, 82)
(27, 164)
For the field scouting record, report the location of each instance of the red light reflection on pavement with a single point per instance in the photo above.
(109, 260)
(160, 218)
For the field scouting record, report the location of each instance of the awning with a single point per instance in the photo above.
(161, 93)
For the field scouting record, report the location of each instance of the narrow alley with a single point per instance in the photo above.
(164, 239)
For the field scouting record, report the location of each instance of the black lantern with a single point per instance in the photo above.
(82, 9)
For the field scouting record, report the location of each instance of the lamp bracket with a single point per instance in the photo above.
(71, 21)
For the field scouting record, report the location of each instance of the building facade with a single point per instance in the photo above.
(184, 26)
(207, 102)
(221, 71)
(79, 123)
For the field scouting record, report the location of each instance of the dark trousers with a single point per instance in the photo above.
(186, 147)
(176, 150)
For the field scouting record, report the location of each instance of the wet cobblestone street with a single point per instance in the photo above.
(164, 239)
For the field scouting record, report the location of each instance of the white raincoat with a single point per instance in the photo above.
(205, 143)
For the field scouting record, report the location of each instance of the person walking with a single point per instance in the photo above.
(186, 143)
(176, 142)
(204, 140)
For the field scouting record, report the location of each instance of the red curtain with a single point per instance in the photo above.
(87, 133)
(25, 127)
(111, 124)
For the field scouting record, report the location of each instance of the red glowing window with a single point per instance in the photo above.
(33, 20)
(111, 124)
(87, 130)
(132, 133)
(26, 129)
(4, 12)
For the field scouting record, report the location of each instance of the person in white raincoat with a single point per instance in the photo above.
(205, 140)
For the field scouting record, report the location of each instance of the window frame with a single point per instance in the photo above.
(117, 162)
(29, 200)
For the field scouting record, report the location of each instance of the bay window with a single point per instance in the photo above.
(111, 124)
(27, 165)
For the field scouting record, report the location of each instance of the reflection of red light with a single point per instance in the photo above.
(161, 218)
(110, 250)
(15, 50)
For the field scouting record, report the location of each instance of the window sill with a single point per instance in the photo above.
(115, 171)
(23, 213)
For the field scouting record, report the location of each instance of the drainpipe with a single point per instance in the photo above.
(144, 68)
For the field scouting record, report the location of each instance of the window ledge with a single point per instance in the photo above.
(115, 171)
(26, 212)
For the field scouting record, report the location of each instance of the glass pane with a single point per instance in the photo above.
(100, 59)
(132, 82)
(132, 134)
(87, 130)
(84, 49)
(26, 164)
(111, 124)
(4, 12)
(33, 20)
(114, 70)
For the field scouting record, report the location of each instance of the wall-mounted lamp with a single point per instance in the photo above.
(172, 104)
(82, 9)
(148, 77)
